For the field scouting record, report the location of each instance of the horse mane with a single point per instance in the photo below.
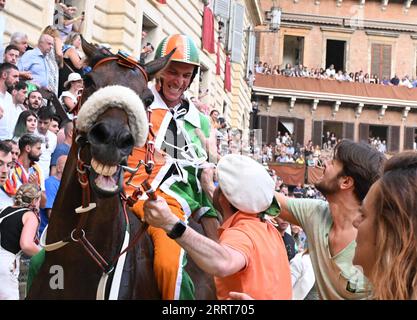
(100, 54)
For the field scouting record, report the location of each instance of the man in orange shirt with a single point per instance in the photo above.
(250, 255)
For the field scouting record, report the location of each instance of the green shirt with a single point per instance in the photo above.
(336, 277)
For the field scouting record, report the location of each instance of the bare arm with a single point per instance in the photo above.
(30, 227)
(285, 213)
(69, 103)
(74, 57)
(212, 257)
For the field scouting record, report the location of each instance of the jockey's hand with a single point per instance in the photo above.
(158, 214)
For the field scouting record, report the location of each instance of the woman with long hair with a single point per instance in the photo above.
(26, 123)
(387, 231)
(18, 228)
(73, 59)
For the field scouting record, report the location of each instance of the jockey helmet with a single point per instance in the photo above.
(186, 50)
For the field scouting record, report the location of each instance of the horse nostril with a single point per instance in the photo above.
(125, 140)
(99, 134)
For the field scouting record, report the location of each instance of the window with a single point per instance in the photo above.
(381, 60)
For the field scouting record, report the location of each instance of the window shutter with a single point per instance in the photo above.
(222, 9)
(236, 33)
(272, 129)
(386, 61)
(376, 60)
(381, 60)
(348, 130)
(394, 139)
(263, 125)
(317, 132)
(363, 132)
(299, 131)
(251, 53)
(409, 138)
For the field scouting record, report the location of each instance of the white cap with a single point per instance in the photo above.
(245, 183)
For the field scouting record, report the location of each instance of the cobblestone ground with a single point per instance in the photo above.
(23, 276)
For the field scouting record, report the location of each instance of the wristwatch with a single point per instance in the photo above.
(177, 230)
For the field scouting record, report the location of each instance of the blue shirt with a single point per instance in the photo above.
(51, 186)
(61, 150)
(35, 62)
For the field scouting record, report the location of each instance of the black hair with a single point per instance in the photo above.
(44, 113)
(5, 147)
(6, 67)
(11, 47)
(28, 139)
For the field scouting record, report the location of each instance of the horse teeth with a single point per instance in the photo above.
(105, 171)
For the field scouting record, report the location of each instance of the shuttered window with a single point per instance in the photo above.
(222, 9)
(251, 53)
(381, 60)
(409, 138)
(394, 139)
(363, 132)
(348, 130)
(299, 131)
(317, 132)
(235, 43)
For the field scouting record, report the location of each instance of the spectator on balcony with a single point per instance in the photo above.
(288, 70)
(375, 79)
(290, 149)
(333, 140)
(395, 80)
(366, 78)
(405, 82)
(361, 77)
(259, 68)
(300, 159)
(276, 70)
(350, 77)
(386, 82)
(298, 191)
(339, 76)
(383, 147)
(330, 71)
(11, 54)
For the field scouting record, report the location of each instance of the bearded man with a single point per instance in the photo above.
(346, 180)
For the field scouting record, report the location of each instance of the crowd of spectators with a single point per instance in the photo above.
(329, 73)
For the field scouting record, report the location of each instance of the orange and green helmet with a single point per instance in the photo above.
(186, 50)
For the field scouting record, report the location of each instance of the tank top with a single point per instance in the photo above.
(11, 228)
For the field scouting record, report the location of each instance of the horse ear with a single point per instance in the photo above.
(89, 49)
(154, 66)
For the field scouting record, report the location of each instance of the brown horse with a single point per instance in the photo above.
(109, 137)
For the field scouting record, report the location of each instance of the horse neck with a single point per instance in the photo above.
(104, 225)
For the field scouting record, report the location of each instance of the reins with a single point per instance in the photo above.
(78, 235)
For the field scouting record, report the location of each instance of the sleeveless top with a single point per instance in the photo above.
(65, 71)
(11, 229)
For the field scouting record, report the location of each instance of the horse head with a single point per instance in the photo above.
(112, 118)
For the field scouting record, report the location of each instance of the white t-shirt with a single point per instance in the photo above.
(5, 200)
(48, 148)
(6, 122)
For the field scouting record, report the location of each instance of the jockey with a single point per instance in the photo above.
(180, 134)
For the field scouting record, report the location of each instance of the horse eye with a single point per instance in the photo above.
(148, 101)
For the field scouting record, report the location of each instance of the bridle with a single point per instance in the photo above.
(78, 234)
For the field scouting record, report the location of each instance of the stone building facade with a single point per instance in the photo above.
(120, 23)
(375, 36)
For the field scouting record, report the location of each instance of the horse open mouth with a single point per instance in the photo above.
(106, 179)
